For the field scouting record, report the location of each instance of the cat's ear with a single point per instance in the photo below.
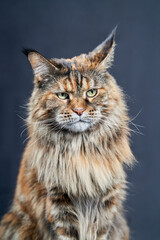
(102, 56)
(39, 64)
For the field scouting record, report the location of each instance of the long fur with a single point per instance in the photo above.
(72, 183)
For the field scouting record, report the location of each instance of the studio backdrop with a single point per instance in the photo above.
(68, 28)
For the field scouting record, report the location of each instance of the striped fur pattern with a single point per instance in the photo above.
(71, 183)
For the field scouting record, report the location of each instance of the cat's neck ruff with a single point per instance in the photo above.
(79, 165)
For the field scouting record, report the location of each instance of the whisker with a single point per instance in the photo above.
(21, 117)
(136, 126)
(136, 115)
(25, 107)
(117, 125)
(23, 131)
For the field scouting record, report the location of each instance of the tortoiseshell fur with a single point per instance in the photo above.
(71, 183)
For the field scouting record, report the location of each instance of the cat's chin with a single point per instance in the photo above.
(79, 126)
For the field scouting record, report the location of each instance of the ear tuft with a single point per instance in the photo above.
(40, 65)
(113, 33)
(105, 46)
(102, 56)
(26, 51)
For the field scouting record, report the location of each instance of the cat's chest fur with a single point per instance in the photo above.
(76, 172)
(88, 216)
(85, 190)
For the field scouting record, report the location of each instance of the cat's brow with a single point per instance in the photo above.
(60, 91)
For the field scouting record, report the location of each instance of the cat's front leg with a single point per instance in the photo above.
(18, 226)
(62, 216)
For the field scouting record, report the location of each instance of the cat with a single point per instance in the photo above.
(72, 184)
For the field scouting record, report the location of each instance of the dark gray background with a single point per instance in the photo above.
(67, 28)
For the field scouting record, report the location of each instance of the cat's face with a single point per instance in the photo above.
(78, 109)
(75, 94)
(76, 102)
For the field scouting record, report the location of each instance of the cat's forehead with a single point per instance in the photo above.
(80, 63)
(75, 81)
(78, 75)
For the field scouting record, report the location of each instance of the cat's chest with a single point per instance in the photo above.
(78, 173)
(86, 216)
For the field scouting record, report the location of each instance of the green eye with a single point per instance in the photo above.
(63, 96)
(91, 92)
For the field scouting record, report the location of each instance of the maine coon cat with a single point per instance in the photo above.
(71, 183)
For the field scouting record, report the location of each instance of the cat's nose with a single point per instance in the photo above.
(79, 111)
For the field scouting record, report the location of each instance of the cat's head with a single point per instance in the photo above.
(78, 94)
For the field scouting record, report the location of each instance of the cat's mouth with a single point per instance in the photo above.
(81, 121)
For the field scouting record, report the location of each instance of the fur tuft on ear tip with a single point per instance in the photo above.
(111, 38)
(26, 51)
(113, 33)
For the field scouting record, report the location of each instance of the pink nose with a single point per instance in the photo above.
(79, 111)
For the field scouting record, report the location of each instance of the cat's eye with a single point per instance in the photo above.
(63, 95)
(91, 92)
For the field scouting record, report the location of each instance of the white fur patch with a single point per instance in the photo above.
(79, 126)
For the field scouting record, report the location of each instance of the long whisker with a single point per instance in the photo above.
(25, 129)
(116, 125)
(25, 107)
(136, 115)
(21, 117)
